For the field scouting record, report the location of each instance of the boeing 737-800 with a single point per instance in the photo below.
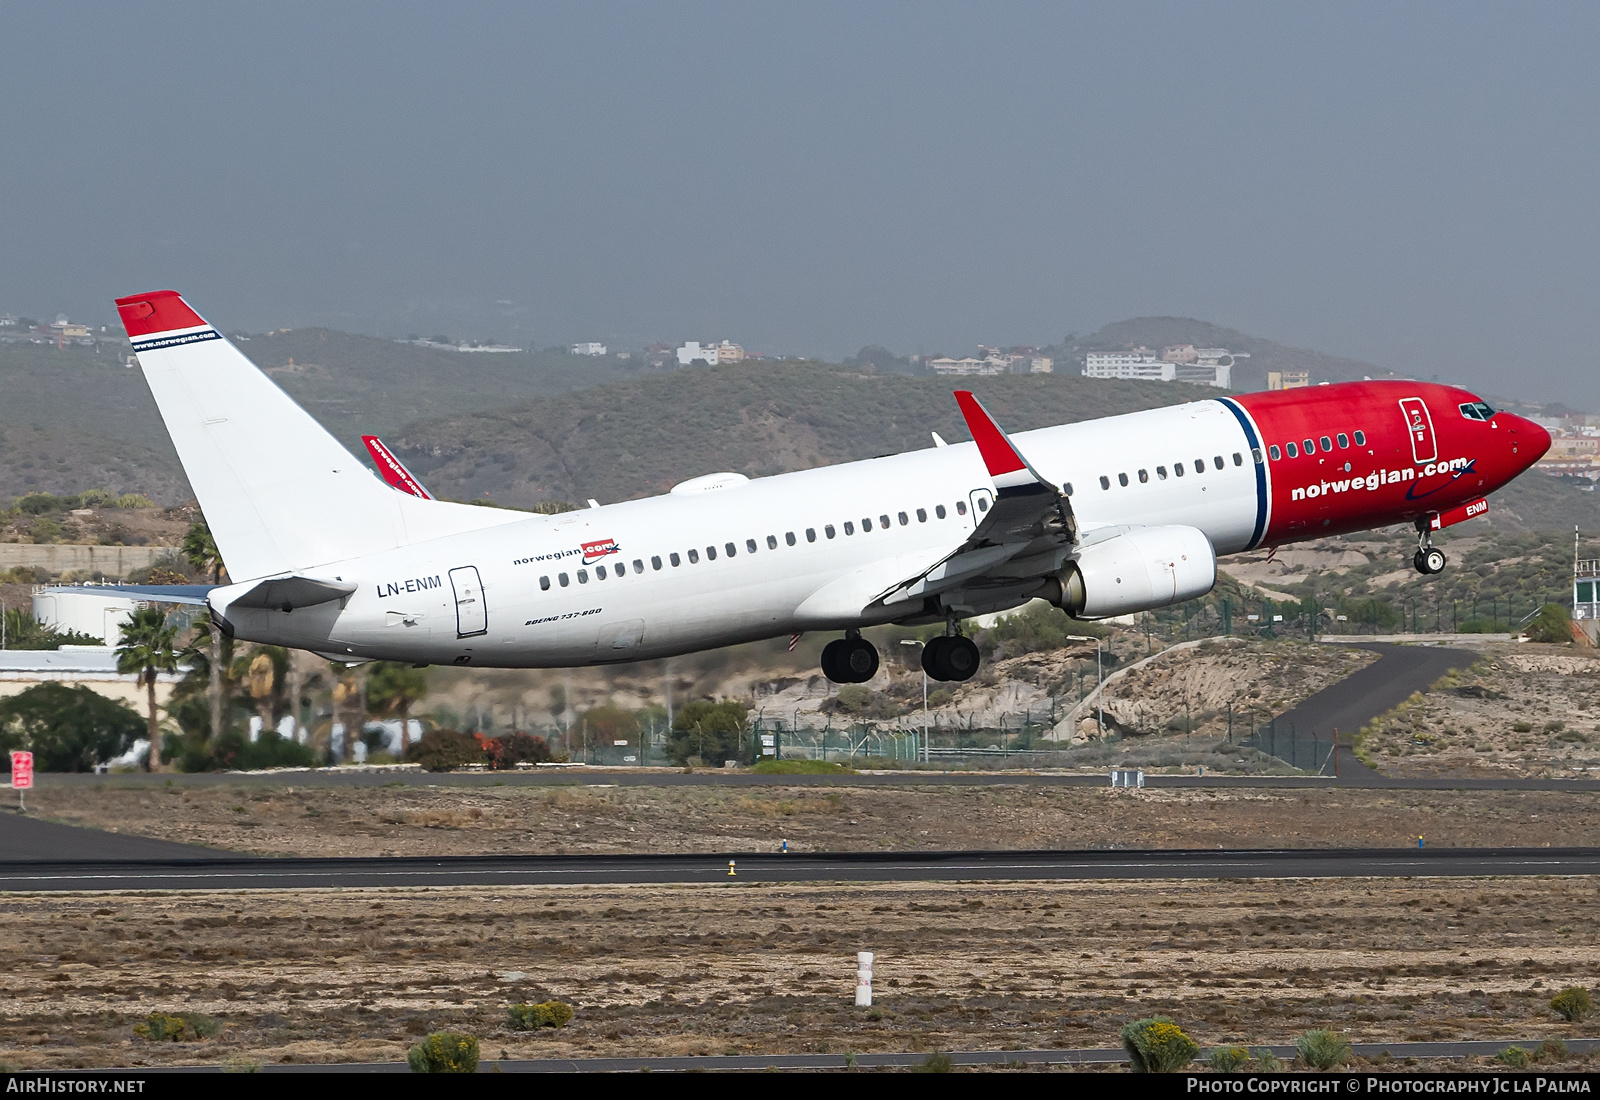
(1101, 518)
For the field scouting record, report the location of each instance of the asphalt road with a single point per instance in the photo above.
(263, 873)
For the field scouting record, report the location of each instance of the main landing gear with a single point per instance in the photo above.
(850, 660)
(951, 657)
(1429, 559)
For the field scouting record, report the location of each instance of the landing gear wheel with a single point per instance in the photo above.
(1430, 561)
(849, 660)
(950, 658)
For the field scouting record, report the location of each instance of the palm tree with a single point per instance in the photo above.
(392, 687)
(146, 649)
(200, 550)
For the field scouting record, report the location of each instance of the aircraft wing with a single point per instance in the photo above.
(1030, 518)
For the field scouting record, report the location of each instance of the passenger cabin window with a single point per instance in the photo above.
(883, 521)
(1216, 461)
(1105, 482)
(788, 537)
(1290, 448)
(731, 549)
(1310, 446)
(903, 518)
(1144, 477)
(1274, 452)
(1344, 440)
(772, 541)
(849, 528)
(938, 510)
(638, 566)
(1161, 473)
(544, 584)
(1361, 438)
(1199, 465)
(1255, 453)
(1122, 479)
(673, 558)
(655, 561)
(983, 504)
(750, 544)
(811, 534)
(922, 515)
(1327, 444)
(600, 572)
(828, 530)
(961, 507)
(1238, 459)
(583, 576)
(1177, 468)
(694, 557)
(1069, 488)
(562, 578)
(711, 553)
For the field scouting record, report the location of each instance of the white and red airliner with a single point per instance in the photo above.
(1101, 518)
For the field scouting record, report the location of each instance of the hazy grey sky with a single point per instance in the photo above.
(1413, 184)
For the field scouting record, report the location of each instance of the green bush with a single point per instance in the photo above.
(444, 1052)
(1515, 1057)
(528, 1017)
(1228, 1059)
(1521, 727)
(1268, 1062)
(1572, 1003)
(1552, 1050)
(161, 1027)
(1157, 1045)
(69, 729)
(1552, 624)
(1320, 1048)
(938, 1062)
(441, 750)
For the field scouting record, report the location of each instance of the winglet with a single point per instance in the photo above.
(392, 470)
(1005, 463)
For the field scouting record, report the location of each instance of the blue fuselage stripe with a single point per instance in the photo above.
(1261, 471)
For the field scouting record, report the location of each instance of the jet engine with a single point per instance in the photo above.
(1139, 569)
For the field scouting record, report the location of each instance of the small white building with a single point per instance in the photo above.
(969, 366)
(589, 349)
(1041, 364)
(692, 351)
(92, 613)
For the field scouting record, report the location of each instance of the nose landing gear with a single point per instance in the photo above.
(1429, 560)
(850, 660)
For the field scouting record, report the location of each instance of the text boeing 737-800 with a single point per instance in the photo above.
(1101, 518)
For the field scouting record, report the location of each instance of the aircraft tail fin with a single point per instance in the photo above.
(279, 492)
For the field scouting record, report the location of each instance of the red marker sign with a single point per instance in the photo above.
(21, 771)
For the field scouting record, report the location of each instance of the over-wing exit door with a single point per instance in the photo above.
(1420, 427)
(472, 616)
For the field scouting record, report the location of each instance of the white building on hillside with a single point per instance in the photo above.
(1207, 367)
(588, 349)
(692, 351)
(969, 365)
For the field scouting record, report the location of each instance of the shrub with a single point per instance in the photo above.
(1268, 1062)
(1515, 1057)
(444, 1052)
(1323, 1049)
(161, 1027)
(1553, 624)
(514, 749)
(441, 750)
(1157, 1045)
(1552, 1050)
(1572, 1003)
(1228, 1059)
(527, 1017)
(1521, 727)
(938, 1062)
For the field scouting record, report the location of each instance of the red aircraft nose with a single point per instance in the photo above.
(1528, 440)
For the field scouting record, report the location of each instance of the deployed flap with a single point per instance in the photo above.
(1030, 516)
(288, 593)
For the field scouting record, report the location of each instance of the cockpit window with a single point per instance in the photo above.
(1476, 410)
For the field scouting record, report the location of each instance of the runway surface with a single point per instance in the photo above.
(262, 873)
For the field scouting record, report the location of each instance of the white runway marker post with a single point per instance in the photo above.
(863, 979)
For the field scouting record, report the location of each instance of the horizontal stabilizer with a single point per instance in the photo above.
(152, 593)
(288, 593)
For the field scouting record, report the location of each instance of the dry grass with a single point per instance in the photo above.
(355, 975)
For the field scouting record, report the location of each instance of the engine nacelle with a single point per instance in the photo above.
(1143, 568)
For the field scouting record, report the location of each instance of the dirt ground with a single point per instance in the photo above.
(357, 975)
(487, 818)
(1525, 710)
